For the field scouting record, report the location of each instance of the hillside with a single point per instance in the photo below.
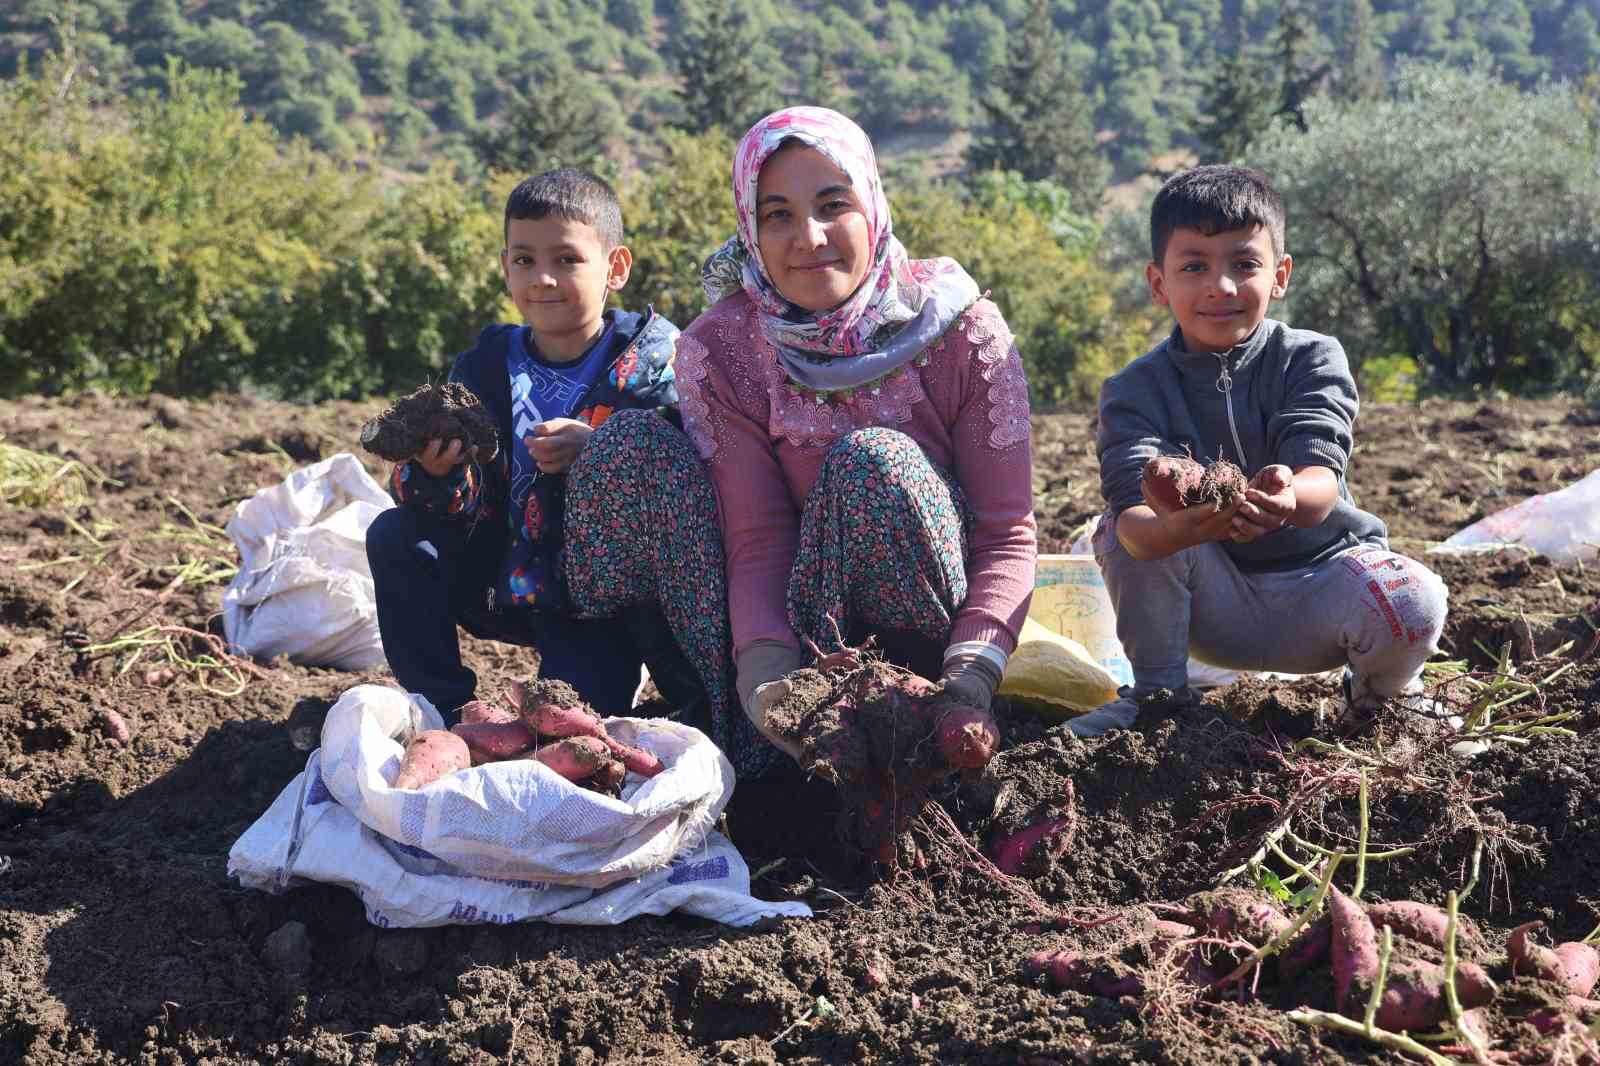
(408, 81)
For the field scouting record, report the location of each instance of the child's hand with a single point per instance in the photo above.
(1269, 504)
(555, 444)
(1184, 527)
(440, 457)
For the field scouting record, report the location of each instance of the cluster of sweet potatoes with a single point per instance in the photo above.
(544, 721)
(1178, 481)
(884, 736)
(1205, 940)
(447, 412)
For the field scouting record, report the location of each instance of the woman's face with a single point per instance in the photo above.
(811, 229)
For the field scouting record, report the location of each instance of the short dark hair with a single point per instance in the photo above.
(1214, 199)
(570, 193)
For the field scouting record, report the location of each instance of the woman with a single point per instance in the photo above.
(865, 420)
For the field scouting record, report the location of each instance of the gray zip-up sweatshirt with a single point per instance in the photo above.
(1282, 396)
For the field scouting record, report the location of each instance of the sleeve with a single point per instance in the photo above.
(760, 528)
(994, 466)
(1128, 437)
(1315, 423)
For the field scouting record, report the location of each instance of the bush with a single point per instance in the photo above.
(1457, 221)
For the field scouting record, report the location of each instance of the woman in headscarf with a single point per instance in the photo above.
(864, 417)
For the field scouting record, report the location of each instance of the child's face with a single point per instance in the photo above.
(1218, 285)
(559, 272)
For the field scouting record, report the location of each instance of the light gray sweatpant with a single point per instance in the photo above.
(1376, 611)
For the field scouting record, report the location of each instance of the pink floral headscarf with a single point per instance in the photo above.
(901, 306)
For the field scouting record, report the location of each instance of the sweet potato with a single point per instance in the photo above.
(1064, 970)
(1178, 482)
(1422, 922)
(635, 759)
(1413, 996)
(1309, 947)
(966, 736)
(608, 778)
(478, 711)
(1012, 853)
(430, 755)
(1236, 912)
(1354, 945)
(491, 741)
(1174, 480)
(1573, 966)
(554, 709)
(574, 758)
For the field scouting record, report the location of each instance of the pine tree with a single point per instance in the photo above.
(1358, 62)
(726, 67)
(1239, 103)
(1292, 42)
(557, 124)
(1041, 123)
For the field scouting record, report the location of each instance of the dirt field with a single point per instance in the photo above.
(122, 940)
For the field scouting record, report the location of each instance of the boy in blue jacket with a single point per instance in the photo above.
(1293, 576)
(480, 544)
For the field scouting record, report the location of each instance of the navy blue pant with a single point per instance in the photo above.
(422, 600)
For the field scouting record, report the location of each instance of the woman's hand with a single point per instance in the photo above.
(556, 442)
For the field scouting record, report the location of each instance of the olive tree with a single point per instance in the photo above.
(1455, 221)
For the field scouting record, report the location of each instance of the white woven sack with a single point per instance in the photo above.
(519, 819)
(304, 588)
(1564, 525)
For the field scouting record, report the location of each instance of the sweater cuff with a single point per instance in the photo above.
(984, 631)
(1310, 451)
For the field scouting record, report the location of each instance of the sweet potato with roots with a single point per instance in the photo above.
(493, 741)
(1237, 913)
(430, 755)
(1178, 481)
(1573, 966)
(1422, 922)
(433, 412)
(884, 737)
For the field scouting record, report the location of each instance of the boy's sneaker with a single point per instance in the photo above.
(1122, 712)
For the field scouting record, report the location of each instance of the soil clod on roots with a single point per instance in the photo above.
(883, 736)
(433, 412)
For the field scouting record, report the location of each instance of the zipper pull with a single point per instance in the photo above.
(1224, 379)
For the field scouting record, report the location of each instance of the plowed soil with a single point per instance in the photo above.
(123, 940)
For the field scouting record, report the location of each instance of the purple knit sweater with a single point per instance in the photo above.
(964, 401)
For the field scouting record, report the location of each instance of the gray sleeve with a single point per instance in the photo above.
(1314, 425)
(1127, 439)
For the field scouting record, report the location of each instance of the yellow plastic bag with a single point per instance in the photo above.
(1055, 675)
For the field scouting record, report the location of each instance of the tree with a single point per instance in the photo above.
(726, 67)
(562, 121)
(1041, 123)
(1456, 222)
(1293, 44)
(1239, 104)
(1358, 57)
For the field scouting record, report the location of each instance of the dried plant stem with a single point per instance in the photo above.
(1398, 1041)
(1361, 841)
(1375, 997)
(1480, 1054)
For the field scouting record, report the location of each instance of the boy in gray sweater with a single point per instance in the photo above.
(1292, 576)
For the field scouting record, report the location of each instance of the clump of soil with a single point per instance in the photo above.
(434, 412)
